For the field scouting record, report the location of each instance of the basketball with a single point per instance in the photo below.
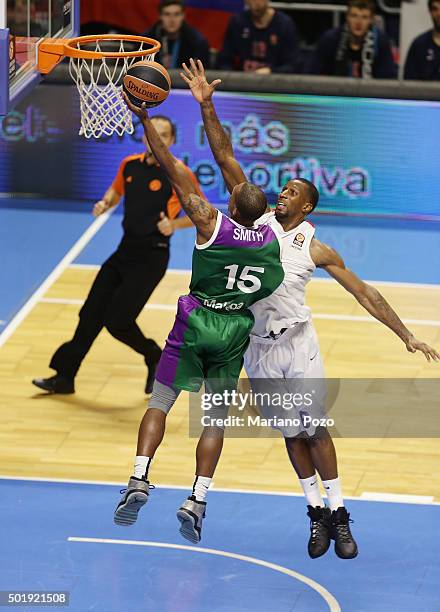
(147, 82)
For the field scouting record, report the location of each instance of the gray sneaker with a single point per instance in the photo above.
(191, 515)
(135, 496)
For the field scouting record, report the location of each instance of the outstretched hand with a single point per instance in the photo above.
(195, 77)
(413, 345)
(140, 112)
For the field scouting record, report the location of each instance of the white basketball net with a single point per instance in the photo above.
(99, 83)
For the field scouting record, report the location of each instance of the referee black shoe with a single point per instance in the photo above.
(191, 515)
(345, 544)
(134, 497)
(152, 362)
(55, 384)
(320, 536)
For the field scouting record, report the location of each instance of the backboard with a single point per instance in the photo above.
(23, 25)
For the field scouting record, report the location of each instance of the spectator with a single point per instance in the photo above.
(423, 59)
(356, 49)
(179, 40)
(260, 40)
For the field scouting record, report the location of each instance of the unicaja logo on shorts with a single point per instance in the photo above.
(299, 240)
(222, 305)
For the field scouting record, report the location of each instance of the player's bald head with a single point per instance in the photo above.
(247, 203)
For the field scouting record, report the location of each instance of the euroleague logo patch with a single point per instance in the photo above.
(299, 240)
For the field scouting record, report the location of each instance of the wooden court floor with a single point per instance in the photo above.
(91, 435)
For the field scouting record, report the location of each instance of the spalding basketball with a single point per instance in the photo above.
(147, 82)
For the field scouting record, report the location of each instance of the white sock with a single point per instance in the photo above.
(311, 490)
(334, 493)
(200, 487)
(141, 467)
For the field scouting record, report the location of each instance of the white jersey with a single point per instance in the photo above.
(286, 306)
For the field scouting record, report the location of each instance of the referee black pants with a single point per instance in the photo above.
(120, 291)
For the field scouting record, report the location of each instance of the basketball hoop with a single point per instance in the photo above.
(97, 65)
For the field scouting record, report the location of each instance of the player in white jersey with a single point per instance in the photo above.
(284, 343)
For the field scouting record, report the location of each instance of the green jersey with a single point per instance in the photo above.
(236, 267)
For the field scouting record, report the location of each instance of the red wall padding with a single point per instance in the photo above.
(138, 15)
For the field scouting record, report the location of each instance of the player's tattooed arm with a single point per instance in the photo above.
(201, 213)
(369, 297)
(218, 139)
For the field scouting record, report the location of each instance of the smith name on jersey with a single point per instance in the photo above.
(236, 267)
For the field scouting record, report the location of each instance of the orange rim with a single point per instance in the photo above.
(52, 50)
(72, 51)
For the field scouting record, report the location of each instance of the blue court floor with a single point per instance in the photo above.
(252, 558)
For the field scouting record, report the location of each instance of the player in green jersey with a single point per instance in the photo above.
(234, 264)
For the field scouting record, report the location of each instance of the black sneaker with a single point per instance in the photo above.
(191, 515)
(55, 384)
(152, 362)
(345, 545)
(134, 497)
(319, 541)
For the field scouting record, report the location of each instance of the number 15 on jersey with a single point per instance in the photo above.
(247, 283)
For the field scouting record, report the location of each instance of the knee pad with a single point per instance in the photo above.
(163, 397)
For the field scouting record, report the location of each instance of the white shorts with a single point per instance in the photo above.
(286, 365)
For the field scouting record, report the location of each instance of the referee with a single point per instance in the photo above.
(126, 280)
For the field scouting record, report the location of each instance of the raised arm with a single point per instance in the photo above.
(219, 140)
(201, 213)
(327, 258)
